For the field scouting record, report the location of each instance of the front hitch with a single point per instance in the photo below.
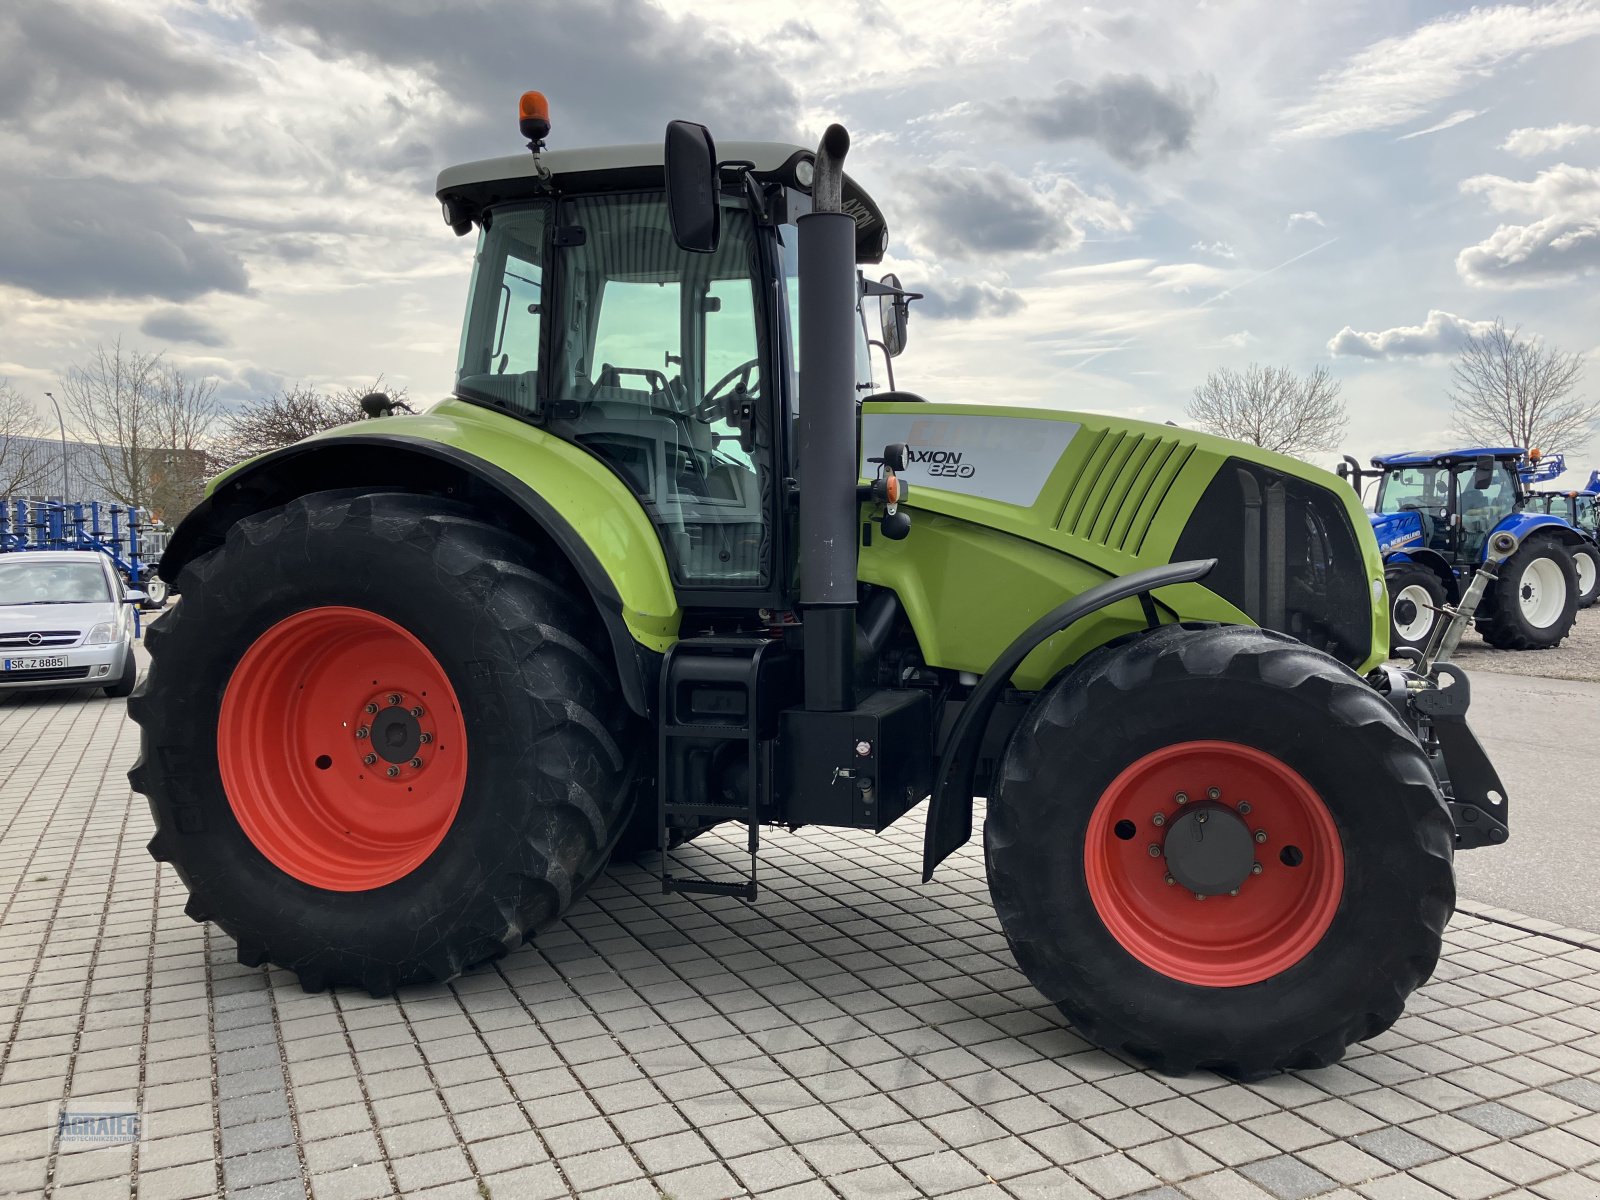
(1433, 695)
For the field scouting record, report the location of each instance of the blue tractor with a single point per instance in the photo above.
(1433, 514)
(1575, 506)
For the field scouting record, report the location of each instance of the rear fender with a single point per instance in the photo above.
(1525, 525)
(607, 539)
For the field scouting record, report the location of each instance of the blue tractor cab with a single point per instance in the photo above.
(1577, 507)
(1433, 514)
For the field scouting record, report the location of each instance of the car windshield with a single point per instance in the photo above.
(52, 583)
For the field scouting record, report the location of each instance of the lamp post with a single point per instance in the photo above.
(62, 425)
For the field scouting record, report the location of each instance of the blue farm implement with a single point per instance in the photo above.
(123, 533)
(1434, 515)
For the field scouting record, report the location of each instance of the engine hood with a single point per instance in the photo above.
(1397, 531)
(1037, 503)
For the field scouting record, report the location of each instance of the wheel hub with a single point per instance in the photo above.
(1209, 850)
(1405, 611)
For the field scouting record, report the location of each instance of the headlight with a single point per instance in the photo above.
(100, 635)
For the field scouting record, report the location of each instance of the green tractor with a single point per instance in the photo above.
(673, 556)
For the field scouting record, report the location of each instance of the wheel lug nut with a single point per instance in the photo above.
(1182, 797)
(425, 738)
(1199, 895)
(1244, 808)
(1159, 819)
(392, 772)
(362, 733)
(1261, 835)
(1214, 793)
(1256, 869)
(1155, 850)
(1171, 881)
(416, 762)
(417, 711)
(394, 697)
(1235, 892)
(369, 759)
(371, 708)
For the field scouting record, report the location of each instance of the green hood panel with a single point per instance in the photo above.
(1017, 509)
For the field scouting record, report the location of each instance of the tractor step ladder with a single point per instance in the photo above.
(718, 697)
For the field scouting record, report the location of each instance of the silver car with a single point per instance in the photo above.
(65, 621)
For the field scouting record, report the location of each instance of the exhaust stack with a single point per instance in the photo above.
(827, 433)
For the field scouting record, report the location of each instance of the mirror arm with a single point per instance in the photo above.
(888, 360)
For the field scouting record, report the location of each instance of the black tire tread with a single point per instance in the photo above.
(521, 601)
(1499, 623)
(1348, 701)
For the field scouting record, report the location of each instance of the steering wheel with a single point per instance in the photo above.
(715, 403)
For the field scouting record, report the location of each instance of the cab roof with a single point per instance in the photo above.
(1445, 458)
(468, 189)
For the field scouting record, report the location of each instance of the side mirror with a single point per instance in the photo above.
(892, 313)
(690, 159)
(1483, 475)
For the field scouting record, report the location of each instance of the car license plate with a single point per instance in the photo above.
(35, 664)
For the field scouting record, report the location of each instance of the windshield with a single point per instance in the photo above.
(53, 583)
(1424, 488)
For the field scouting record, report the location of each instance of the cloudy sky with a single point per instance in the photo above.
(1103, 203)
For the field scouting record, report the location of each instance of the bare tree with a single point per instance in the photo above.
(1273, 408)
(24, 466)
(175, 464)
(288, 415)
(146, 425)
(1515, 391)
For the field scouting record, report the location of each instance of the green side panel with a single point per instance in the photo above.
(970, 590)
(598, 505)
(1116, 502)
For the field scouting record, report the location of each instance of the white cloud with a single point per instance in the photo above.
(1530, 142)
(1217, 249)
(1450, 122)
(1305, 218)
(1400, 79)
(1441, 333)
(1561, 245)
(1561, 188)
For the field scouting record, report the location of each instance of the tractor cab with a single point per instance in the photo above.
(674, 366)
(1448, 502)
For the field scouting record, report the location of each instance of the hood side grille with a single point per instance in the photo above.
(1114, 500)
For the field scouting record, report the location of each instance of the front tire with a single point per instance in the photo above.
(1415, 596)
(1317, 950)
(347, 835)
(1534, 602)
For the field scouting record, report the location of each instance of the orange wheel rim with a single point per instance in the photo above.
(342, 748)
(1139, 853)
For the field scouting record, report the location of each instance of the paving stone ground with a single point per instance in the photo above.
(853, 1035)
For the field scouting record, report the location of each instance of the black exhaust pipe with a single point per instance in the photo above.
(827, 434)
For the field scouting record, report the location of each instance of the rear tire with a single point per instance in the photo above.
(308, 857)
(1415, 595)
(1586, 562)
(1534, 602)
(1317, 951)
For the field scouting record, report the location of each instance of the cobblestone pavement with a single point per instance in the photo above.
(853, 1035)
